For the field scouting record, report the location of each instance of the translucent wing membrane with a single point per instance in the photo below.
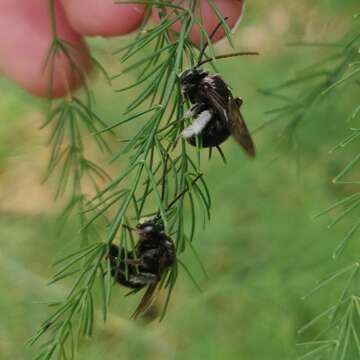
(238, 127)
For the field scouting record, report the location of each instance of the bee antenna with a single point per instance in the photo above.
(183, 192)
(228, 56)
(202, 52)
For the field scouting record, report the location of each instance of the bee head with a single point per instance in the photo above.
(150, 227)
(191, 77)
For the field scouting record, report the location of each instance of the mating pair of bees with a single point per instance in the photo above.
(216, 115)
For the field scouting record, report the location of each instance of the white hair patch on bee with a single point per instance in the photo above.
(146, 219)
(210, 80)
(198, 125)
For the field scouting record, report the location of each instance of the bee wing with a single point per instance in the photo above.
(238, 127)
(146, 300)
(229, 111)
(217, 97)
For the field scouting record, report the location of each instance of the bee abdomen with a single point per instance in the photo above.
(215, 133)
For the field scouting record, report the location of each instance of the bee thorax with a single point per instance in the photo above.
(210, 80)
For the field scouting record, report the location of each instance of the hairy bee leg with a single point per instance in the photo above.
(195, 110)
(188, 114)
(198, 125)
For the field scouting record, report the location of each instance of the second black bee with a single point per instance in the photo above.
(154, 254)
(153, 257)
(215, 111)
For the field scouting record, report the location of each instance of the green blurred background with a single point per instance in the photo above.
(262, 249)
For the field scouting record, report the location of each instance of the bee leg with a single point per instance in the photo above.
(192, 112)
(210, 152)
(221, 154)
(195, 110)
(133, 291)
(198, 125)
(127, 227)
(188, 114)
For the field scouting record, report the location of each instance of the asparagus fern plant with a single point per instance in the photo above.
(321, 85)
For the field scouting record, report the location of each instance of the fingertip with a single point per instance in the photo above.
(103, 17)
(230, 9)
(64, 72)
(24, 50)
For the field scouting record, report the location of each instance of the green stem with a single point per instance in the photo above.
(52, 15)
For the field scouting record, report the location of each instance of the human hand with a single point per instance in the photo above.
(25, 35)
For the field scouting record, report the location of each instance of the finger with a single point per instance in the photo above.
(103, 17)
(232, 9)
(24, 49)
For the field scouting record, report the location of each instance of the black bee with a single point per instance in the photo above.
(146, 265)
(215, 111)
(154, 254)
